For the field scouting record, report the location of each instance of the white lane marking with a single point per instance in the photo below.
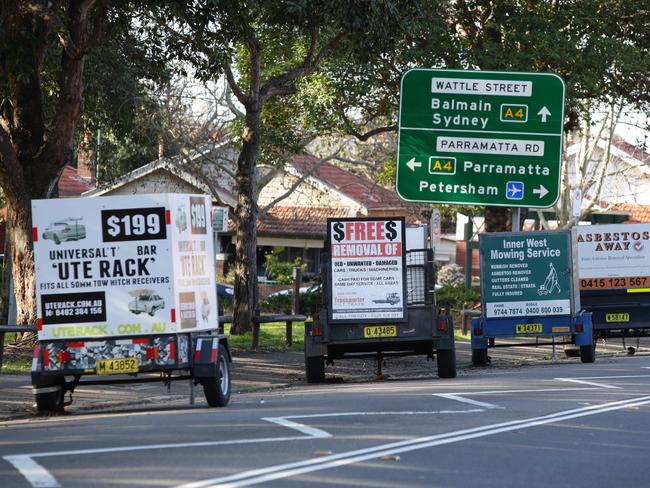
(283, 471)
(458, 398)
(305, 429)
(36, 474)
(584, 382)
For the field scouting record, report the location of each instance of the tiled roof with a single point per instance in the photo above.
(71, 185)
(638, 213)
(369, 194)
(298, 221)
(632, 150)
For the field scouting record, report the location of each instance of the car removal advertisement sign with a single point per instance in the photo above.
(123, 265)
(527, 274)
(615, 256)
(367, 272)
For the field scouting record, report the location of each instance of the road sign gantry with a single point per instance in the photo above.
(480, 137)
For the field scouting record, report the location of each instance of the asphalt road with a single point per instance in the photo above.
(568, 424)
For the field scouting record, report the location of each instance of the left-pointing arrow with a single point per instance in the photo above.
(412, 164)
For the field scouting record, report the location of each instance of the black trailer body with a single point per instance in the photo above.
(618, 313)
(413, 325)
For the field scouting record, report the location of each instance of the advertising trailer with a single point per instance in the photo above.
(378, 298)
(614, 267)
(126, 285)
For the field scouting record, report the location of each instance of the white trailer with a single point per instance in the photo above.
(133, 294)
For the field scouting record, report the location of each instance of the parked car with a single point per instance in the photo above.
(146, 303)
(302, 290)
(65, 230)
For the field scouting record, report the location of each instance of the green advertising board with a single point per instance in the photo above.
(480, 137)
(527, 274)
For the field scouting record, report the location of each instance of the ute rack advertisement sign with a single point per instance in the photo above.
(367, 272)
(124, 265)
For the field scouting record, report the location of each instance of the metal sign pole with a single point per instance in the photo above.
(516, 216)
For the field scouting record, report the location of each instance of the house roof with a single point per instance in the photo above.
(638, 213)
(298, 221)
(176, 167)
(632, 150)
(72, 185)
(369, 194)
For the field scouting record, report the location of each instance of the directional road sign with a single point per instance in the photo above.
(480, 137)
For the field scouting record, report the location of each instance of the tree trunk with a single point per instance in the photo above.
(497, 219)
(22, 262)
(245, 288)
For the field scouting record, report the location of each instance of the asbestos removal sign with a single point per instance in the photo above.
(367, 269)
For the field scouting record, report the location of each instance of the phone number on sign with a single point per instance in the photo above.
(622, 282)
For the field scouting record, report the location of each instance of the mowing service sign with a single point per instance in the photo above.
(527, 274)
(480, 137)
(367, 271)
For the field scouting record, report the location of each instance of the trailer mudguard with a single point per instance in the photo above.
(206, 355)
(586, 337)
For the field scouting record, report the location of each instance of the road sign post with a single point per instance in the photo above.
(480, 137)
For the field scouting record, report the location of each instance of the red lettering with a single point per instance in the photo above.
(360, 231)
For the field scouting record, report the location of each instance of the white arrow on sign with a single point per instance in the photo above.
(544, 112)
(412, 163)
(541, 191)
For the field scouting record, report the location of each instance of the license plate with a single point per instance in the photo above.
(379, 331)
(528, 328)
(617, 317)
(117, 366)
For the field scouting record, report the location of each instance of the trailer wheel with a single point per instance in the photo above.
(480, 357)
(446, 360)
(217, 390)
(315, 369)
(51, 401)
(588, 354)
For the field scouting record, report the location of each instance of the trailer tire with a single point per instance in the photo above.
(480, 357)
(217, 390)
(588, 354)
(315, 369)
(446, 361)
(52, 401)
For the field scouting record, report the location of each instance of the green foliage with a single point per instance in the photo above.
(456, 296)
(281, 271)
(310, 303)
(451, 275)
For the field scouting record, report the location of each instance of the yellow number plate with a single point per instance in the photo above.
(528, 328)
(117, 366)
(379, 331)
(617, 317)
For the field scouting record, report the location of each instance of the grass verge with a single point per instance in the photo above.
(273, 337)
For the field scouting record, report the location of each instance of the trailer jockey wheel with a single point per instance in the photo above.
(217, 390)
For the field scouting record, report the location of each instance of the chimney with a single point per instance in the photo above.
(161, 148)
(86, 159)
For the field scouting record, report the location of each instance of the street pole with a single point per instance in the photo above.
(516, 216)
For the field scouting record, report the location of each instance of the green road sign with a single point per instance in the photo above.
(480, 137)
(527, 274)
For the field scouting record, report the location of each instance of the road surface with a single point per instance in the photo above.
(568, 424)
